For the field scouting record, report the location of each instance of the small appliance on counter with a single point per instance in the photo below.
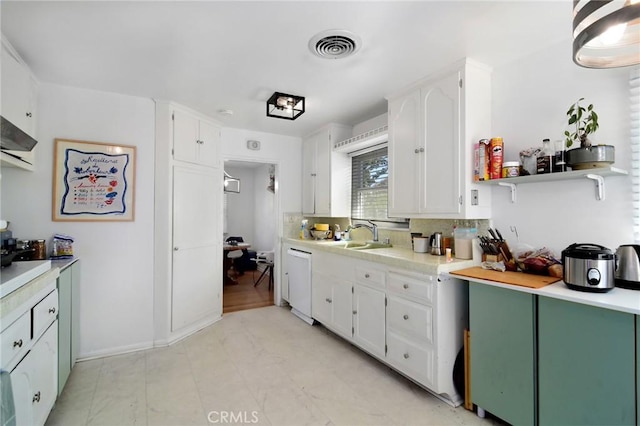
(588, 267)
(628, 266)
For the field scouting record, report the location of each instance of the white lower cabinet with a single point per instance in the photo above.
(369, 319)
(412, 321)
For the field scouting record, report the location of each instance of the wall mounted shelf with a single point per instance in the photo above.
(595, 174)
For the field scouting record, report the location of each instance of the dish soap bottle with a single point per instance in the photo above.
(544, 160)
(337, 234)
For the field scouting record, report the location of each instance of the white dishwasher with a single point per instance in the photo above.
(299, 266)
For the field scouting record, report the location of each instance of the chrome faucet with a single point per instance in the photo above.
(373, 228)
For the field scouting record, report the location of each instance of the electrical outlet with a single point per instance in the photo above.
(474, 197)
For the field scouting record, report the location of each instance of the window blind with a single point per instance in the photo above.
(634, 99)
(369, 184)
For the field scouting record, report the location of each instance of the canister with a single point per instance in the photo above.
(495, 149)
(40, 249)
(510, 169)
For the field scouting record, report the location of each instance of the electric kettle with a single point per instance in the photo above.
(627, 273)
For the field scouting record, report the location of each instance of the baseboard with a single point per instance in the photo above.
(120, 350)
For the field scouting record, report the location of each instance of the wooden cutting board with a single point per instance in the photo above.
(508, 277)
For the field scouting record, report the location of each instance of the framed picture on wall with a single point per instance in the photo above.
(93, 181)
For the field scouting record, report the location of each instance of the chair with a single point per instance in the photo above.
(265, 258)
(242, 259)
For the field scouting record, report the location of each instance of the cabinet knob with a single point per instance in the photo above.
(405, 286)
(405, 316)
(355, 312)
(52, 310)
(416, 150)
(176, 248)
(17, 343)
(328, 300)
(29, 114)
(36, 397)
(421, 149)
(406, 356)
(367, 275)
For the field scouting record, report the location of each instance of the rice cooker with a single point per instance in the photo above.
(589, 267)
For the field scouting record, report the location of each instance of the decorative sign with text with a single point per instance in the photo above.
(93, 181)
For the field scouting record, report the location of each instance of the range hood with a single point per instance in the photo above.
(14, 139)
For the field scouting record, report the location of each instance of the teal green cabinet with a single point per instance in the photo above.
(586, 364)
(68, 324)
(502, 324)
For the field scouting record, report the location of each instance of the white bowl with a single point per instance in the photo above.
(319, 235)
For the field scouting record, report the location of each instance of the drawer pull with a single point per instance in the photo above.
(405, 286)
(52, 310)
(405, 316)
(328, 300)
(17, 343)
(36, 397)
(406, 356)
(367, 275)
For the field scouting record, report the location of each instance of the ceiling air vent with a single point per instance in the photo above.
(334, 44)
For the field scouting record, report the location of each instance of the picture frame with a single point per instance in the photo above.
(93, 181)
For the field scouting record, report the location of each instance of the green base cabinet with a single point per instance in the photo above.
(586, 365)
(68, 323)
(502, 324)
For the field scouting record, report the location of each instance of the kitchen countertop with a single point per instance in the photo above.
(617, 299)
(17, 274)
(393, 256)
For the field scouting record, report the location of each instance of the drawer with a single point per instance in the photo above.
(15, 339)
(413, 287)
(414, 360)
(44, 313)
(410, 318)
(367, 275)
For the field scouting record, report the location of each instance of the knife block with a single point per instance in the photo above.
(492, 257)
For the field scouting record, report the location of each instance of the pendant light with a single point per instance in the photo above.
(606, 33)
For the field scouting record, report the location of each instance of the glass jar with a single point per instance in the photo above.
(39, 249)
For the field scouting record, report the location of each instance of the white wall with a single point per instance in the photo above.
(530, 100)
(240, 207)
(116, 258)
(264, 211)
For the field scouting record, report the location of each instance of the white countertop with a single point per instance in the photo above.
(393, 256)
(617, 299)
(17, 274)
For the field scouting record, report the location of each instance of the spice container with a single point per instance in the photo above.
(510, 169)
(545, 158)
(40, 249)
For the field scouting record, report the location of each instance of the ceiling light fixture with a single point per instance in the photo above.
(606, 34)
(288, 107)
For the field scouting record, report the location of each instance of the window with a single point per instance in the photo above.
(369, 179)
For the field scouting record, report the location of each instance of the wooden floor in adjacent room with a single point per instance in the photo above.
(244, 295)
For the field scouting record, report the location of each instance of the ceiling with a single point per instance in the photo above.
(215, 55)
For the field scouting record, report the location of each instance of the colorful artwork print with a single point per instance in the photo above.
(95, 183)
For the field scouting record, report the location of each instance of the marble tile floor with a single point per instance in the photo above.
(261, 366)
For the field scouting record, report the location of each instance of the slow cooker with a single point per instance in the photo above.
(589, 267)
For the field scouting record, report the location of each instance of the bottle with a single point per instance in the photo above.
(337, 235)
(559, 163)
(544, 160)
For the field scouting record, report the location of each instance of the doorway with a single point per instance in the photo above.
(251, 214)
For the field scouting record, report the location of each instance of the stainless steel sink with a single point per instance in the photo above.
(361, 245)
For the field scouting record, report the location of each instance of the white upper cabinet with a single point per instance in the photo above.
(326, 175)
(19, 92)
(433, 126)
(195, 140)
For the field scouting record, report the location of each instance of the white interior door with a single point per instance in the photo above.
(197, 245)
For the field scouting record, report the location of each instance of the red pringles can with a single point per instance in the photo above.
(495, 166)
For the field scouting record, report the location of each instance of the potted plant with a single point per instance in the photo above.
(585, 122)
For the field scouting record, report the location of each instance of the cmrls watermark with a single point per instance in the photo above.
(227, 417)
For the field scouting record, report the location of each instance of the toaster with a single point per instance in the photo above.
(627, 273)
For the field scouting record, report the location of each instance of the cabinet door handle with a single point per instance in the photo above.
(328, 300)
(367, 275)
(405, 286)
(405, 316)
(406, 356)
(17, 343)
(28, 114)
(52, 310)
(36, 397)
